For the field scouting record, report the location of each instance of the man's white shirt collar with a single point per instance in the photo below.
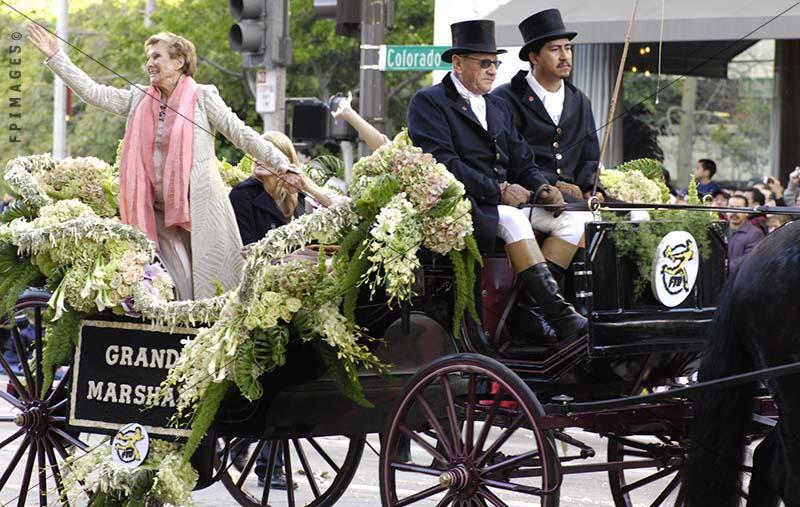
(553, 101)
(476, 102)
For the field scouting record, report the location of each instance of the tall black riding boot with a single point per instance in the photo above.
(561, 315)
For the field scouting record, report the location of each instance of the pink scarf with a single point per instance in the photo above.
(137, 179)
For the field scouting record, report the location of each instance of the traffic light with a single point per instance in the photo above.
(346, 12)
(250, 35)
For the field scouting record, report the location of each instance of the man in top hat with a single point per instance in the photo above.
(473, 134)
(551, 113)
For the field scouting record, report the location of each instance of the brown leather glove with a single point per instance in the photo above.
(569, 189)
(515, 195)
(599, 195)
(548, 194)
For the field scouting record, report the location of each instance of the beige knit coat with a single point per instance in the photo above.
(216, 245)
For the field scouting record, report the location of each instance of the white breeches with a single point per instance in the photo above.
(516, 224)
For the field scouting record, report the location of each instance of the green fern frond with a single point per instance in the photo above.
(651, 168)
(326, 166)
(60, 338)
(204, 416)
(18, 209)
(351, 282)
(378, 193)
(14, 283)
(347, 382)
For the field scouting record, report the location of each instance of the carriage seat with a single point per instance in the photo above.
(497, 286)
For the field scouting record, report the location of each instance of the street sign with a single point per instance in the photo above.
(266, 91)
(395, 58)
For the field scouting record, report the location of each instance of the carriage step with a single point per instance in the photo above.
(493, 390)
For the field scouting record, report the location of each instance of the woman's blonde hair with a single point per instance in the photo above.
(286, 200)
(283, 143)
(177, 47)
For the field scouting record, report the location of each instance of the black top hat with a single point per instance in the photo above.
(475, 36)
(542, 27)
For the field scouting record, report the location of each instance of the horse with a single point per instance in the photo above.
(754, 328)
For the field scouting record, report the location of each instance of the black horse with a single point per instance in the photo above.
(758, 326)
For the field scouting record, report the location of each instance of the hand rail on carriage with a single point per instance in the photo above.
(593, 204)
(567, 408)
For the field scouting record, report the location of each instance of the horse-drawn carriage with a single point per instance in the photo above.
(478, 419)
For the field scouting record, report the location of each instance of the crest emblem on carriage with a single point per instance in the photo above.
(675, 268)
(130, 445)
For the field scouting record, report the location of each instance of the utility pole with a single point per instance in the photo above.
(686, 131)
(372, 102)
(261, 34)
(149, 9)
(59, 89)
(279, 48)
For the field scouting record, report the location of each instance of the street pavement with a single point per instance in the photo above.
(583, 490)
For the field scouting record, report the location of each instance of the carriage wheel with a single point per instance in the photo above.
(320, 469)
(38, 442)
(485, 420)
(646, 486)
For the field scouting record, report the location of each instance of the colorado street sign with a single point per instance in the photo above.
(394, 58)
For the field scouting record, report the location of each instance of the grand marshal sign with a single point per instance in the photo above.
(116, 377)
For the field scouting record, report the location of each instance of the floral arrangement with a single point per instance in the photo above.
(641, 181)
(232, 175)
(416, 202)
(636, 181)
(87, 178)
(163, 478)
(402, 201)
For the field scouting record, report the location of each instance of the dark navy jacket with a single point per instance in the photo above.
(442, 123)
(574, 138)
(256, 210)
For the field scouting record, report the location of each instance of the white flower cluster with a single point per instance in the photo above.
(163, 478)
(392, 249)
(631, 186)
(24, 184)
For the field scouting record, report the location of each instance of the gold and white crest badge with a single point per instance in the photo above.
(130, 445)
(675, 268)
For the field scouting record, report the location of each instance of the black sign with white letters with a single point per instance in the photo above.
(117, 373)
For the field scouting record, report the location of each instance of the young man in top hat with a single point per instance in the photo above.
(473, 134)
(552, 114)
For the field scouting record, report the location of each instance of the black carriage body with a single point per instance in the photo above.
(634, 341)
(623, 323)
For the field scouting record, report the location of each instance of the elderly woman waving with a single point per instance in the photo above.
(170, 187)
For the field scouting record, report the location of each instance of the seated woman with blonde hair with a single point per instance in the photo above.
(267, 200)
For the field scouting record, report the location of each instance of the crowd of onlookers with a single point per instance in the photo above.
(750, 226)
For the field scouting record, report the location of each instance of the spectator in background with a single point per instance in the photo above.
(704, 171)
(744, 236)
(774, 184)
(757, 199)
(792, 187)
(721, 200)
(775, 221)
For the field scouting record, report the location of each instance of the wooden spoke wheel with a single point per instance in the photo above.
(475, 439)
(657, 481)
(37, 443)
(317, 471)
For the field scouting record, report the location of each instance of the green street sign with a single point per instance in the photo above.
(393, 58)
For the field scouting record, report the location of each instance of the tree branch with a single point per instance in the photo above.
(219, 67)
(405, 82)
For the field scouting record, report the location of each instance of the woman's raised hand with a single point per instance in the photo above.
(42, 39)
(344, 107)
